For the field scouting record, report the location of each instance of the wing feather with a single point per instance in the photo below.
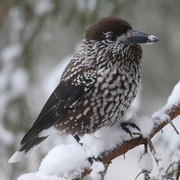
(64, 97)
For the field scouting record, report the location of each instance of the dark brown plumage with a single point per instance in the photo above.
(97, 86)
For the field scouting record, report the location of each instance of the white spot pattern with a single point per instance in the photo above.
(111, 74)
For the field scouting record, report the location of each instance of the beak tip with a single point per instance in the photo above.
(152, 39)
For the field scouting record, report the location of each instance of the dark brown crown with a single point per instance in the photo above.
(107, 24)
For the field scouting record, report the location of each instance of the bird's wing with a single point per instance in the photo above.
(64, 97)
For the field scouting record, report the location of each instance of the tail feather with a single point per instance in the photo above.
(26, 149)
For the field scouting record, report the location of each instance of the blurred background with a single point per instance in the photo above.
(38, 38)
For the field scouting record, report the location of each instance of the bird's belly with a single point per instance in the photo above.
(102, 106)
(113, 101)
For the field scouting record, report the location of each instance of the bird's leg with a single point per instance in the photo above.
(126, 129)
(90, 159)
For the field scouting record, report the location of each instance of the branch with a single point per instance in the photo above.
(159, 122)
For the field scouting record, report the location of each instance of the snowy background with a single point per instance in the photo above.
(37, 39)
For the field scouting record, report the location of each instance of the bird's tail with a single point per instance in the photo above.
(27, 148)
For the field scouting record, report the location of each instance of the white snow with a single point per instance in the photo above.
(145, 124)
(174, 98)
(152, 39)
(158, 158)
(146, 162)
(97, 167)
(104, 139)
(160, 116)
(65, 161)
(38, 176)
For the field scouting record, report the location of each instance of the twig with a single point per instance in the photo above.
(170, 122)
(157, 157)
(178, 171)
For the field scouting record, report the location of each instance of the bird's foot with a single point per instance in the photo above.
(92, 159)
(125, 126)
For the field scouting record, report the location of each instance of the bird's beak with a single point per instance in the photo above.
(135, 37)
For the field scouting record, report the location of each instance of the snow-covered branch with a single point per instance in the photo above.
(70, 161)
(160, 119)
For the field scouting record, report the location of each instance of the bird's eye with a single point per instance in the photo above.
(111, 37)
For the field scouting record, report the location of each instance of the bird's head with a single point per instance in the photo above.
(113, 41)
(113, 30)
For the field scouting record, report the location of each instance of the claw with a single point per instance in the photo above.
(76, 137)
(91, 159)
(126, 129)
(123, 125)
(134, 126)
